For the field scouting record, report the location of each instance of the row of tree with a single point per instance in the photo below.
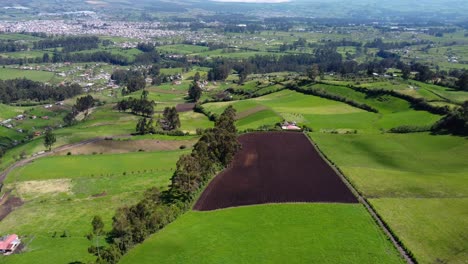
(68, 44)
(131, 225)
(12, 46)
(12, 91)
(169, 122)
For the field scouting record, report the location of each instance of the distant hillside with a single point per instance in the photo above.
(413, 10)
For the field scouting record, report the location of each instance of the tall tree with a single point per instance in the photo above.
(196, 77)
(171, 118)
(227, 119)
(49, 139)
(98, 225)
(462, 82)
(194, 92)
(313, 72)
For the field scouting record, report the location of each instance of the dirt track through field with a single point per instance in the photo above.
(275, 167)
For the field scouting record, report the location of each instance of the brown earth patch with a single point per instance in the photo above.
(250, 112)
(126, 146)
(185, 107)
(8, 204)
(275, 167)
(104, 193)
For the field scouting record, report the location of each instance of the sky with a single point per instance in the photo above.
(253, 1)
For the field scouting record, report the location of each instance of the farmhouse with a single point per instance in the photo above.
(9, 243)
(290, 126)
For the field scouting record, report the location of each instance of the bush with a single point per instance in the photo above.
(409, 129)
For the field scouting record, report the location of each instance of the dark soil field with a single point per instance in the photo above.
(275, 167)
(187, 107)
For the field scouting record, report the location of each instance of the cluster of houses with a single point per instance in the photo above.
(9, 243)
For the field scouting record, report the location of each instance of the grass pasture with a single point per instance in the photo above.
(433, 229)
(292, 233)
(40, 76)
(417, 183)
(63, 193)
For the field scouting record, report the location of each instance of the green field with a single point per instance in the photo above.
(7, 111)
(63, 193)
(323, 114)
(433, 229)
(40, 76)
(285, 233)
(417, 182)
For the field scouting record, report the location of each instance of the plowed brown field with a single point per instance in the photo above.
(275, 167)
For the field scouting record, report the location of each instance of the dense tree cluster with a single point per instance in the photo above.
(145, 47)
(141, 106)
(219, 72)
(194, 92)
(170, 120)
(82, 104)
(455, 122)
(98, 56)
(131, 225)
(69, 44)
(145, 126)
(11, 46)
(133, 79)
(23, 89)
(462, 83)
(380, 44)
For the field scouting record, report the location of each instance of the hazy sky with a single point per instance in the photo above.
(253, 1)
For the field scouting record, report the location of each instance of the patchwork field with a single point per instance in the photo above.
(274, 168)
(280, 233)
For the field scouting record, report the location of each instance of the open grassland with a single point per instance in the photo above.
(183, 49)
(191, 121)
(433, 229)
(7, 111)
(92, 165)
(323, 114)
(283, 233)
(400, 165)
(417, 182)
(59, 199)
(41, 76)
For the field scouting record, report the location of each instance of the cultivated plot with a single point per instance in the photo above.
(275, 168)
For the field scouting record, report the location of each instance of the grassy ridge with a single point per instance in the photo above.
(292, 233)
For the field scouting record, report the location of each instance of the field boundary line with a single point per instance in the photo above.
(404, 252)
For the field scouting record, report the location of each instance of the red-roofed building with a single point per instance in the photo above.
(9, 243)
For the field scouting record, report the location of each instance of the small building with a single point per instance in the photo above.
(290, 126)
(9, 243)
